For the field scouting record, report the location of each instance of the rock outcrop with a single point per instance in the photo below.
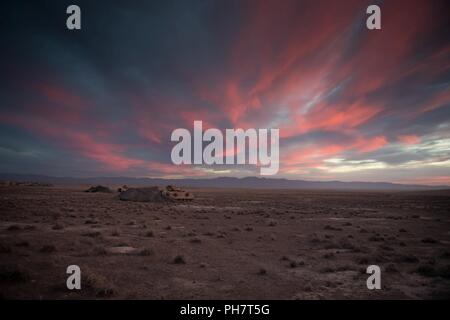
(99, 189)
(150, 194)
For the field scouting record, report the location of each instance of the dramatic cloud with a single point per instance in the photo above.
(350, 103)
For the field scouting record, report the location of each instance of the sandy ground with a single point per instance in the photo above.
(227, 244)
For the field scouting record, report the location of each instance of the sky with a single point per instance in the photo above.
(351, 104)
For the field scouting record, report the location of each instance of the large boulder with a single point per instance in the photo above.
(98, 189)
(150, 194)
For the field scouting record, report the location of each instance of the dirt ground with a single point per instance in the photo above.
(226, 244)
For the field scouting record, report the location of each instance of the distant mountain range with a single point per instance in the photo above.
(221, 182)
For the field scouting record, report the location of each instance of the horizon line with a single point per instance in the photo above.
(222, 177)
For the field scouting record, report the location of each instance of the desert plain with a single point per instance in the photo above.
(225, 244)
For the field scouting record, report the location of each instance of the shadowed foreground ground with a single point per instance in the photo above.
(227, 244)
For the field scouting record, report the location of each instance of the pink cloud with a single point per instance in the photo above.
(409, 139)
